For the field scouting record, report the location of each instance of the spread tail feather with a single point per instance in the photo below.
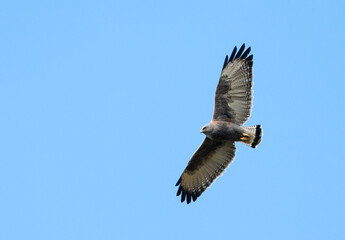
(252, 135)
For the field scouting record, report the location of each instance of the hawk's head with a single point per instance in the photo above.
(207, 129)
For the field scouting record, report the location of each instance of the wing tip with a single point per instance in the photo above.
(225, 61)
(241, 54)
(178, 182)
(189, 197)
(185, 195)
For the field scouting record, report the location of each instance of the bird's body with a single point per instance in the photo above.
(224, 131)
(233, 101)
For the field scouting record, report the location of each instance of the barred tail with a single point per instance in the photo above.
(252, 135)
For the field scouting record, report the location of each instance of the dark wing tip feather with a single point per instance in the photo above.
(225, 61)
(185, 195)
(179, 191)
(178, 182)
(189, 198)
(240, 54)
(233, 54)
(194, 197)
(245, 54)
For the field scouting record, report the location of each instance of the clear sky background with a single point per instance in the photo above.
(101, 105)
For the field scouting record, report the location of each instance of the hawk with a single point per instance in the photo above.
(233, 102)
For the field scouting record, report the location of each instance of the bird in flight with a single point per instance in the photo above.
(233, 102)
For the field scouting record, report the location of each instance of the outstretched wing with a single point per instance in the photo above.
(233, 100)
(206, 164)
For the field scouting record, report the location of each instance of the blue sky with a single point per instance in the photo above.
(102, 102)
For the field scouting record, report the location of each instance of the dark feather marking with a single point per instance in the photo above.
(179, 191)
(233, 54)
(245, 54)
(188, 197)
(222, 88)
(183, 196)
(238, 55)
(225, 61)
(223, 112)
(194, 197)
(257, 136)
(240, 51)
(178, 182)
(207, 146)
